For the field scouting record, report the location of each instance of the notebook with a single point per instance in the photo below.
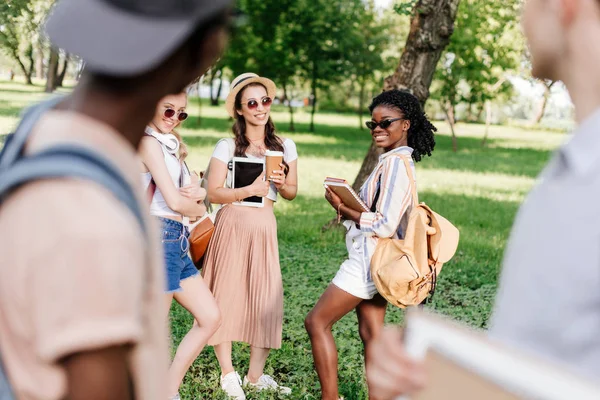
(464, 364)
(244, 173)
(346, 193)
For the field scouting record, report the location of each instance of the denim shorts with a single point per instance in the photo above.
(178, 264)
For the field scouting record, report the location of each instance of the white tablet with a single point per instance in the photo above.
(244, 172)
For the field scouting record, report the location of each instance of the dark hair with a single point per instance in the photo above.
(272, 141)
(124, 84)
(420, 133)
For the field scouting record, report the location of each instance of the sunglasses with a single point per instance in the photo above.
(169, 113)
(252, 104)
(372, 125)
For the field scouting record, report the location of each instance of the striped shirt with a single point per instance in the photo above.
(390, 218)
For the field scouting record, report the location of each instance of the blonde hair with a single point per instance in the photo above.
(183, 149)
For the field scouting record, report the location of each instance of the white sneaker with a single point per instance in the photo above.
(232, 385)
(265, 382)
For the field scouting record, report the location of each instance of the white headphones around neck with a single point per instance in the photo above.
(167, 140)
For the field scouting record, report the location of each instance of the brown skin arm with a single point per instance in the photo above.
(347, 212)
(101, 374)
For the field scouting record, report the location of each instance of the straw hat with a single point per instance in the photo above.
(241, 82)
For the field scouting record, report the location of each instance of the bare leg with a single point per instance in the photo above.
(371, 318)
(199, 301)
(258, 358)
(223, 353)
(333, 305)
(168, 301)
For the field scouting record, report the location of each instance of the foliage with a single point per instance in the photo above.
(486, 46)
(317, 42)
(20, 21)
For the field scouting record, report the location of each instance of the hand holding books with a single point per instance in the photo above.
(344, 199)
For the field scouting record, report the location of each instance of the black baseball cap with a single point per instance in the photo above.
(126, 37)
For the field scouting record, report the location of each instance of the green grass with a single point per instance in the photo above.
(478, 189)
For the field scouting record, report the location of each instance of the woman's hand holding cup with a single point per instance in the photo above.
(278, 176)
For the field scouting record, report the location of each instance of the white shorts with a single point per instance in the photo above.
(350, 276)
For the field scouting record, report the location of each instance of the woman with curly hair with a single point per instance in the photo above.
(401, 128)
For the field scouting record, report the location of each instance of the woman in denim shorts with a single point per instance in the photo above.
(174, 203)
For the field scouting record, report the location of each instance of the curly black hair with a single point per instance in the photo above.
(420, 133)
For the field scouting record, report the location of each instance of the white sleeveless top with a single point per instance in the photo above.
(158, 206)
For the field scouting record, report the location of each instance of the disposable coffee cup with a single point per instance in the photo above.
(272, 161)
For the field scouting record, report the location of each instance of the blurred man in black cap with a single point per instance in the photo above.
(81, 298)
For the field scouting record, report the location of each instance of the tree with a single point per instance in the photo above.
(19, 24)
(15, 18)
(543, 102)
(323, 53)
(432, 24)
(369, 39)
(485, 47)
(63, 70)
(51, 78)
(215, 72)
(267, 43)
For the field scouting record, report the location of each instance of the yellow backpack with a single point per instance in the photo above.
(405, 270)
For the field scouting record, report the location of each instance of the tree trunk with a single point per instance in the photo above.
(52, 70)
(29, 54)
(290, 108)
(199, 119)
(361, 100)
(449, 109)
(469, 116)
(213, 74)
(39, 61)
(80, 70)
(488, 121)
(23, 70)
(218, 96)
(480, 112)
(63, 71)
(432, 24)
(314, 93)
(15, 55)
(542, 109)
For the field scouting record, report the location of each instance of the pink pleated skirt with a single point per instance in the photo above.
(242, 270)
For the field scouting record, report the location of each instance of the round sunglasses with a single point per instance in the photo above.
(252, 104)
(169, 113)
(372, 125)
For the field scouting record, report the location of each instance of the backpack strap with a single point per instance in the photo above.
(413, 185)
(411, 178)
(6, 392)
(71, 161)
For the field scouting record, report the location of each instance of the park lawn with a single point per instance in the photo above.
(477, 188)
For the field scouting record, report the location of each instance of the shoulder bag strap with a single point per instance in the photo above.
(411, 178)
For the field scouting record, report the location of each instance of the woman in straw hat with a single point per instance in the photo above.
(242, 261)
